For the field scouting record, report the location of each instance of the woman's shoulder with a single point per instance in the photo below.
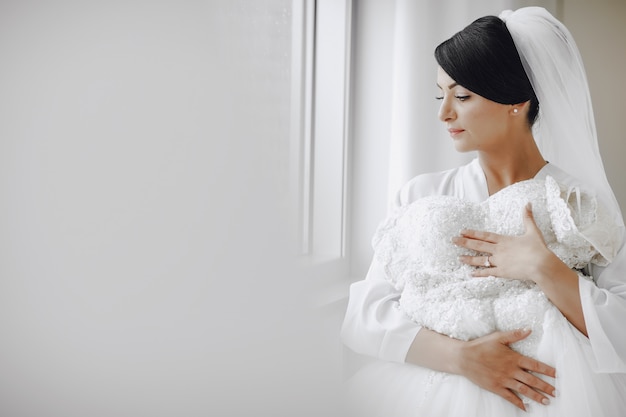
(564, 179)
(448, 182)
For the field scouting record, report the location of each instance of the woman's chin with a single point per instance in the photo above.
(460, 146)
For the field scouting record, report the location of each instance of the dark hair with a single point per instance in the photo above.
(483, 58)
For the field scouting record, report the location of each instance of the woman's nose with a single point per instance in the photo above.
(445, 110)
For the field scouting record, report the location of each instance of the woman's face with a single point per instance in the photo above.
(474, 122)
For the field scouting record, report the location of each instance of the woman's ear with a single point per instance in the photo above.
(520, 108)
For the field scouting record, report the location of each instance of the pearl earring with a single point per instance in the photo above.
(514, 110)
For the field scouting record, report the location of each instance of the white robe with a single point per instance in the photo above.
(375, 326)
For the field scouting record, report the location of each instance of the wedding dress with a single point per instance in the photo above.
(438, 292)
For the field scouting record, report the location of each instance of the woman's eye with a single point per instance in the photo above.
(462, 98)
(439, 98)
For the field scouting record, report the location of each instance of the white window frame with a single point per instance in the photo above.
(321, 55)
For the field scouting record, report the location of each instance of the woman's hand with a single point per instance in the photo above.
(491, 364)
(488, 362)
(518, 257)
(526, 257)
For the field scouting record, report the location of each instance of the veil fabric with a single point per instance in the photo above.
(565, 130)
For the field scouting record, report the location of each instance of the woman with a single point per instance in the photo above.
(513, 89)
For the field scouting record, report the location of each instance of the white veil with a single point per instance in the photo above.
(565, 130)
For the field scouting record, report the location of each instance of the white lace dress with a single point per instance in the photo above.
(438, 292)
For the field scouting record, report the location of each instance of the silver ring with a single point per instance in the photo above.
(487, 263)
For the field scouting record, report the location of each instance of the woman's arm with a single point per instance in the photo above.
(375, 326)
(488, 362)
(560, 284)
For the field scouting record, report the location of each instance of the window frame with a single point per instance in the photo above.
(320, 131)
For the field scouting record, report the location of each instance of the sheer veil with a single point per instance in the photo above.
(565, 130)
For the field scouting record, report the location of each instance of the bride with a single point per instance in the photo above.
(510, 315)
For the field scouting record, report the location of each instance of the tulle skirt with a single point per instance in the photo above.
(403, 390)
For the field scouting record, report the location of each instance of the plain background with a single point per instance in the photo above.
(146, 260)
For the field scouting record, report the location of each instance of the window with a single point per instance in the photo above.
(320, 127)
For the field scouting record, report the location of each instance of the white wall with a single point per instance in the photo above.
(144, 185)
(599, 28)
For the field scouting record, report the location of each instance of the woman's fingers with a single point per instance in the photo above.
(481, 235)
(482, 260)
(492, 364)
(510, 397)
(529, 386)
(528, 218)
(473, 244)
(512, 336)
(537, 367)
(525, 362)
(538, 386)
(524, 382)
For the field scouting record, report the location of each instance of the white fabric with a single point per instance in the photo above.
(565, 130)
(438, 291)
(401, 390)
(375, 326)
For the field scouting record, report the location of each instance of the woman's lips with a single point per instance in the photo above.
(454, 132)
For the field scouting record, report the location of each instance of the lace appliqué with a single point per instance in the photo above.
(414, 247)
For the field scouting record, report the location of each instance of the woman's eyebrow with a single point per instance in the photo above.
(451, 86)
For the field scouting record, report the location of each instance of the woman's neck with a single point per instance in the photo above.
(518, 163)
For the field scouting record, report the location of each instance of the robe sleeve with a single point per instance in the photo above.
(374, 325)
(604, 308)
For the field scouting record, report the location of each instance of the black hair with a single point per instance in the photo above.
(482, 58)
